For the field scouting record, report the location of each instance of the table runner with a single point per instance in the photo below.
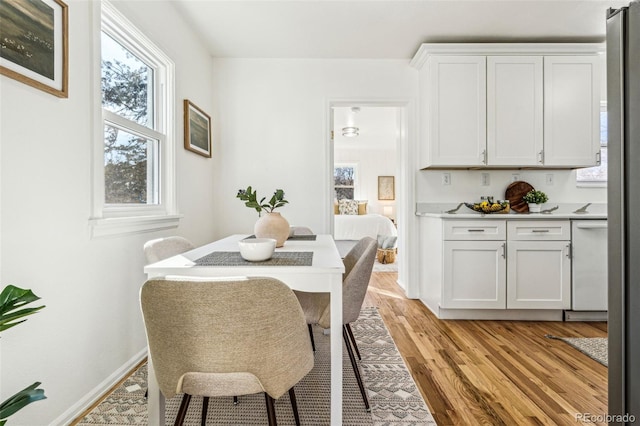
(294, 237)
(233, 258)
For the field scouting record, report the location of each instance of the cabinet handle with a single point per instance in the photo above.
(569, 254)
(541, 157)
(598, 158)
(484, 156)
(475, 230)
(504, 250)
(539, 230)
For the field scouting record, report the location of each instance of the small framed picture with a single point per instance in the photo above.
(197, 129)
(34, 46)
(386, 188)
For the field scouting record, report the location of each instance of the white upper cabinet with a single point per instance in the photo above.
(571, 110)
(514, 110)
(457, 120)
(509, 105)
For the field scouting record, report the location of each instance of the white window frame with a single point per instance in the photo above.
(123, 219)
(354, 166)
(595, 183)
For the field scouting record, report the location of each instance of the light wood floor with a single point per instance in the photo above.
(493, 372)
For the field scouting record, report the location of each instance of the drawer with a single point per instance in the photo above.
(530, 230)
(465, 230)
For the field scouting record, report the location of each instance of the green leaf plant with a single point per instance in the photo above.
(12, 300)
(250, 197)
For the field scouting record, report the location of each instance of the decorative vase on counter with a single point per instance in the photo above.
(534, 207)
(272, 225)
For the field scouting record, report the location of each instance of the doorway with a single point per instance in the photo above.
(368, 164)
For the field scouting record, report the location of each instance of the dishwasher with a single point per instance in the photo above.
(588, 271)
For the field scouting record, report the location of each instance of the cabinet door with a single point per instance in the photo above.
(571, 110)
(514, 110)
(474, 275)
(457, 110)
(539, 275)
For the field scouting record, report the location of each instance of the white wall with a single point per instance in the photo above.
(91, 326)
(466, 185)
(273, 131)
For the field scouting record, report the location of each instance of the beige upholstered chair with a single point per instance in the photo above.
(225, 338)
(358, 265)
(162, 248)
(301, 230)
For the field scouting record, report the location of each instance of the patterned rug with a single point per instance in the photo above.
(594, 347)
(393, 395)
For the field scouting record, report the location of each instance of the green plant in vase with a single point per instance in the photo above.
(535, 199)
(12, 313)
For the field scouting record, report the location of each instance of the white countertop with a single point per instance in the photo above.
(564, 211)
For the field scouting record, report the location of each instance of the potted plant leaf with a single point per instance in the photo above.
(535, 199)
(12, 313)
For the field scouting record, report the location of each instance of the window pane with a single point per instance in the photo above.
(127, 83)
(347, 193)
(597, 173)
(130, 175)
(343, 176)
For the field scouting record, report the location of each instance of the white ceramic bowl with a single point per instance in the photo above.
(257, 249)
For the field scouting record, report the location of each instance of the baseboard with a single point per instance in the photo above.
(91, 397)
(585, 315)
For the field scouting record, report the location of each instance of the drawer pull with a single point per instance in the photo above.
(475, 230)
(539, 230)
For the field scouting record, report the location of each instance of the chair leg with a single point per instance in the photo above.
(271, 410)
(235, 400)
(294, 406)
(205, 407)
(313, 343)
(353, 340)
(354, 364)
(182, 412)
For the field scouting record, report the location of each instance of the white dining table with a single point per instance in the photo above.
(324, 275)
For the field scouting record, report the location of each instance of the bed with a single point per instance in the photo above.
(355, 227)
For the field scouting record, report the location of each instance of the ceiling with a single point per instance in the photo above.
(384, 29)
(377, 127)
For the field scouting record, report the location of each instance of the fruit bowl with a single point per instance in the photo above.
(486, 207)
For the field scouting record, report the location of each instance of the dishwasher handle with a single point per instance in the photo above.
(591, 225)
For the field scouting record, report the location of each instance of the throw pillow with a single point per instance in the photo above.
(362, 207)
(387, 241)
(348, 206)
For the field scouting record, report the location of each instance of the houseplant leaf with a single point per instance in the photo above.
(12, 299)
(20, 400)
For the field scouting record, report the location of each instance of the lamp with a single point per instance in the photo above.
(387, 210)
(350, 132)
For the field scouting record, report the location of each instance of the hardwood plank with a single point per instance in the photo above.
(492, 372)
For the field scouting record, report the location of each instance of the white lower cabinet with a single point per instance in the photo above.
(538, 275)
(529, 268)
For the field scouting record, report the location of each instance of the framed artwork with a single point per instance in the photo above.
(34, 46)
(386, 188)
(197, 129)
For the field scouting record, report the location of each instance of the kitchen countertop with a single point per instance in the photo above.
(564, 211)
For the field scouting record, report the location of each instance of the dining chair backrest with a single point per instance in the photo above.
(225, 337)
(301, 230)
(163, 248)
(358, 264)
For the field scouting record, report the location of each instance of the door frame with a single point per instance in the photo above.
(406, 165)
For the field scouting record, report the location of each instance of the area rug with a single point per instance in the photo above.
(593, 347)
(393, 395)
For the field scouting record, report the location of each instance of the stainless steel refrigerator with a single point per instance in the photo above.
(623, 105)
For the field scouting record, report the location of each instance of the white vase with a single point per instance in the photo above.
(272, 225)
(534, 207)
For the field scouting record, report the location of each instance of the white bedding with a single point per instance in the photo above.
(355, 227)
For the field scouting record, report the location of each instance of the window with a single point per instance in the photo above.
(344, 181)
(134, 152)
(597, 176)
